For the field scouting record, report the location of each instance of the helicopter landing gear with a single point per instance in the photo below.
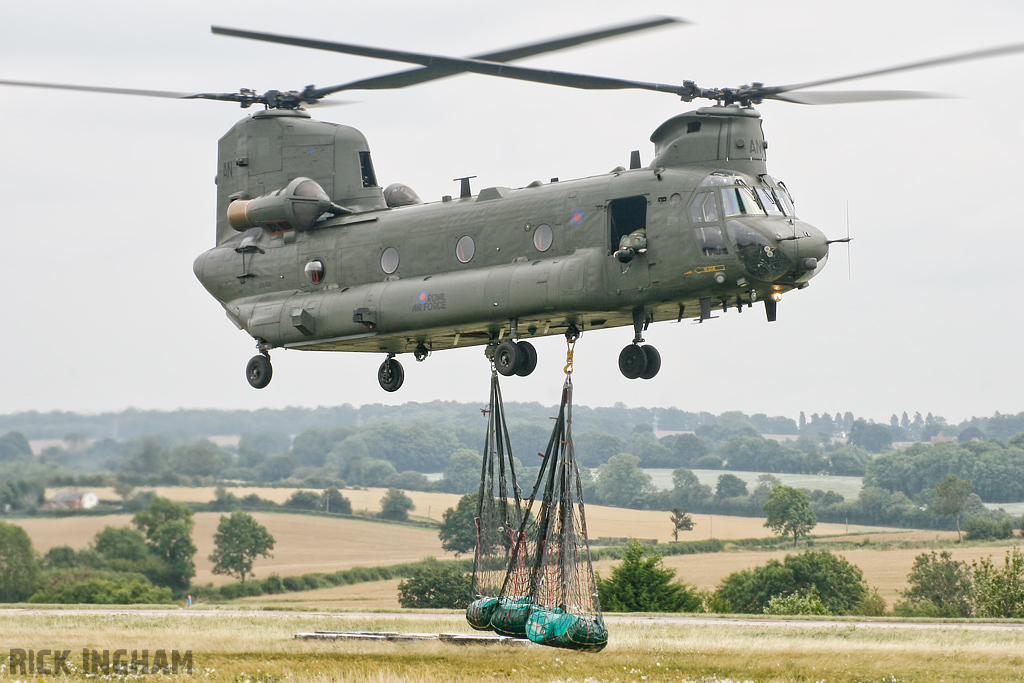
(259, 371)
(515, 358)
(639, 360)
(391, 374)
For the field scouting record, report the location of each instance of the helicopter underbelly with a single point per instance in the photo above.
(467, 308)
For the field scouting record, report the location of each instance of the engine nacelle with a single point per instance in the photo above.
(295, 207)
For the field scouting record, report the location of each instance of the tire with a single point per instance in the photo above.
(391, 375)
(259, 371)
(632, 361)
(653, 362)
(506, 358)
(527, 359)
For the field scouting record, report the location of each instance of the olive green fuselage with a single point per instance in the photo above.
(460, 271)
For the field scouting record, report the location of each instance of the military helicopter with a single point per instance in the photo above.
(313, 254)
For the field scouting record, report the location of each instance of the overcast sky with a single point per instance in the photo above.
(108, 199)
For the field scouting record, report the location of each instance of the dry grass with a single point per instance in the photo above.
(304, 543)
(260, 648)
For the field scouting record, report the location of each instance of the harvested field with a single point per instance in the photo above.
(304, 543)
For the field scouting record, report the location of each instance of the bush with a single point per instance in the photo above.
(273, 585)
(641, 584)
(1000, 591)
(436, 585)
(294, 583)
(983, 527)
(839, 583)
(797, 604)
(105, 592)
(303, 500)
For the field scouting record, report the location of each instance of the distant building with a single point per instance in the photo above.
(70, 500)
(942, 438)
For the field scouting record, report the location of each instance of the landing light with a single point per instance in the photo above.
(776, 296)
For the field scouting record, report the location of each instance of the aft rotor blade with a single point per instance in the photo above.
(93, 88)
(848, 96)
(950, 59)
(487, 68)
(404, 79)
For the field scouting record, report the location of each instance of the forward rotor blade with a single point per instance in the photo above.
(950, 59)
(404, 79)
(92, 88)
(562, 78)
(848, 96)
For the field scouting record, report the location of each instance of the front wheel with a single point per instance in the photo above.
(632, 361)
(259, 371)
(506, 357)
(391, 375)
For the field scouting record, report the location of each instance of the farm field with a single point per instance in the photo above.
(260, 647)
(305, 543)
(847, 487)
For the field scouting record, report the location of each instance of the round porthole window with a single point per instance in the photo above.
(389, 260)
(315, 271)
(465, 249)
(543, 237)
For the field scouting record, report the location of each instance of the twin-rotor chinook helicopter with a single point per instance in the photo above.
(313, 254)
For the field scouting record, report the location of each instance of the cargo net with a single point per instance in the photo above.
(549, 594)
(499, 513)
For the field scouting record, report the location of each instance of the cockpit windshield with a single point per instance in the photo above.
(740, 201)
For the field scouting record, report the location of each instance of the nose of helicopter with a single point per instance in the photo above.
(807, 249)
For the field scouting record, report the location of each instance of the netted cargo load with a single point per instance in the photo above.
(549, 594)
(498, 514)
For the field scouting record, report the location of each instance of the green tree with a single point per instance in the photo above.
(687, 491)
(681, 521)
(436, 585)
(458, 527)
(640, 583)
(999, 592)
(462, 475)
(789, 512)
(395, 505)
(730, 486)
(14, 446)
(239, 540)
(303, 500)
(951, 499)
(332, 501)
(20, 567)
(939, 586)
(621, 483)
(168, 529)
(839, 584)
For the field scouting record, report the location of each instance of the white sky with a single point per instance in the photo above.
(107, 199)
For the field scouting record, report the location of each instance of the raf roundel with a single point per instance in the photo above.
(576, 218)
(423, 297)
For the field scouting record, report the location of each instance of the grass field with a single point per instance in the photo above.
(316, 544)
(261, 648)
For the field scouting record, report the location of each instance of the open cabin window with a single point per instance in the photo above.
(626, 216)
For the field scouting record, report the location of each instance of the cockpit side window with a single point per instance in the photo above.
(740, 201)
(704, 209)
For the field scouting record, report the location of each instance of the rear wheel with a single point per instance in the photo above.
(391, 375)
(632, 361)
(259, 371)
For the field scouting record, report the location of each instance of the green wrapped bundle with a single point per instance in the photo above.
(479, 612)
(558, 628)
(510, 615)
